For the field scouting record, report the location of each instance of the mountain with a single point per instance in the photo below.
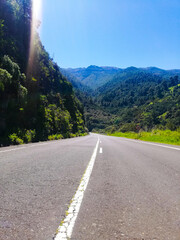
(142, 100)
(162, 72)
(36, 101)
(93, 76)
(76, 83)
(135, 98)
(95, 116)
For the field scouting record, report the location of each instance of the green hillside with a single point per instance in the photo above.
(36, 100)
(142, 101)
(137, 99)
(95, 116)
(93, 76)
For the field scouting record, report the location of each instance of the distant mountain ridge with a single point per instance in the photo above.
(95, 76)
(128, 99)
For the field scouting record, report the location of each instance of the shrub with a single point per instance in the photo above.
(15, 140)
(72, 135)
(29, 136)
(129, 127)
(55, 137)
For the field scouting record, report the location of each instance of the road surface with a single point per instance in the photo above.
(133, 191)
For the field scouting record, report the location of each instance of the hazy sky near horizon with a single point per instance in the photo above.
(121, 33)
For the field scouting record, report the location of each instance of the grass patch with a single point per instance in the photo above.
(161, 136)
(55, 137)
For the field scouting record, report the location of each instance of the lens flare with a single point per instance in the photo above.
(36, 19)
(36, 7)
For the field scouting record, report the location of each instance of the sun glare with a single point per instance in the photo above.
(36, 19)
(37, 7)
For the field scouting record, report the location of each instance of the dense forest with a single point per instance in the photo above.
(95, 115)
(36, 100)
(132, 100)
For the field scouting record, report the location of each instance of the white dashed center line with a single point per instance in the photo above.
(100, 150)
(65, 229)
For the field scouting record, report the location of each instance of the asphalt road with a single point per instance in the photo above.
(133, 191)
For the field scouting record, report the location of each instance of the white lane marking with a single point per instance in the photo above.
(16, 149)
(65, 229)
(158, 145)
(10, 150)
(37, 145)
(100, 150)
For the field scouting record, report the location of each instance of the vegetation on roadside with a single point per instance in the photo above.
(161, 136)
(36, 101)
(60, 136)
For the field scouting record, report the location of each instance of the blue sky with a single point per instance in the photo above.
(122, 33)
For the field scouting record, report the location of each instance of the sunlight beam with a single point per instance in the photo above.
(36, 20)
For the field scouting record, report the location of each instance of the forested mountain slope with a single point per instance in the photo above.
(36, 100)
(95, 116)
(93, 76)
(137, 98)
(142, 100)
